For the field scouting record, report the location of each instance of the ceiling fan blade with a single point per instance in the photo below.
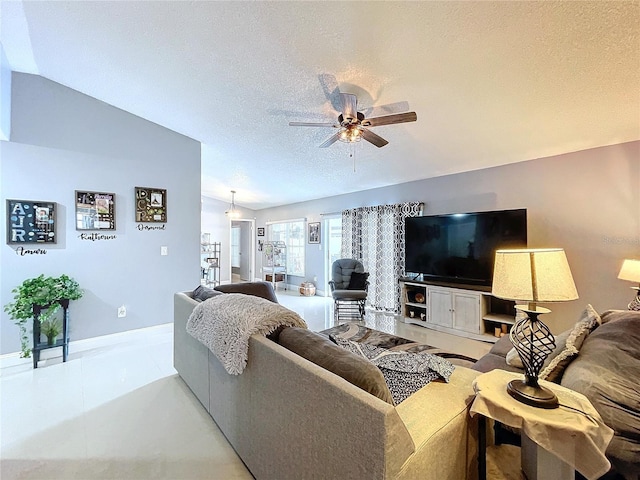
(310, 124)
(371, 137)
(387, 109)
(349, 105)
(331, 140)
(390, 119)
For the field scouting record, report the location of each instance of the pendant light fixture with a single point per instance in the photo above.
(232, 212)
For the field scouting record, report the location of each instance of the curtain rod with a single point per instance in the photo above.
(421, 205)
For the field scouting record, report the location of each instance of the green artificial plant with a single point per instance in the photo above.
(51, 328)
(42, 291)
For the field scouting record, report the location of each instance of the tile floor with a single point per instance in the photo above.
(117, 409)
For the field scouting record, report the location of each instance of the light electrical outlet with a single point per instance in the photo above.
(122, 311)
(164, 250)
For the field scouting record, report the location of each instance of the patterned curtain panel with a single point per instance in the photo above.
(375, 236)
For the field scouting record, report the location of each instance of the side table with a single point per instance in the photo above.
(554, 441)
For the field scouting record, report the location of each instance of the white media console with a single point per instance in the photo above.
(460, 310)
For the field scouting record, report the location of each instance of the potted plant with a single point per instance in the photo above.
(51, 328)
(41, 294)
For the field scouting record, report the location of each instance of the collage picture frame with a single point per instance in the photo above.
(95, 210)
(151, 205)
(31, 221)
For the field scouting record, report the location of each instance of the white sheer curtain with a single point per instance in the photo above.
(375, 236)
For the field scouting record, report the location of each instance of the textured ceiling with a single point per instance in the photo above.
(492, 82)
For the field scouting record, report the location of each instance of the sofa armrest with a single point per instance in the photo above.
(190, 357)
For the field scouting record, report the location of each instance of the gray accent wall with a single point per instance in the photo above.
(586, 202)
(61, 141)
(5, 96)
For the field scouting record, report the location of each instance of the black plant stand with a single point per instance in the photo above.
(38, 346)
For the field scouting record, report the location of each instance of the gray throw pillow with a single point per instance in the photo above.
(321, 351)
(202, 293)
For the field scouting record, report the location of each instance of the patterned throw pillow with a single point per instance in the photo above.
(566, 351)
(404, 372)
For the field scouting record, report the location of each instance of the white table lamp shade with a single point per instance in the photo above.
(630, 271)
(533, 275)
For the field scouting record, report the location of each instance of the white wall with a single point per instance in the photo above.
(5, 96)
(61, 141)
(586, 202)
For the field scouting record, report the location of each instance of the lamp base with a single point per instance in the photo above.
(533, 395)
(634, 305)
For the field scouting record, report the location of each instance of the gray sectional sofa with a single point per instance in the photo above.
(289, 418)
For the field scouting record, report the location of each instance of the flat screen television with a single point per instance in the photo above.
(460, 248)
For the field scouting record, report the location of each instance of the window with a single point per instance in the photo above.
(235, 247)
(292, 234)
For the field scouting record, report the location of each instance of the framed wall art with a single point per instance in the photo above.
(151, 205)
(261, 231)
(95, 210)
(31, 221)
(314, 232)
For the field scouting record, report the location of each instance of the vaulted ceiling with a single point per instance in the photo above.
(492, 82)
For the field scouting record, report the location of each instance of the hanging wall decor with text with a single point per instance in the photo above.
(151, 205)
(30, 221)
(95, 210)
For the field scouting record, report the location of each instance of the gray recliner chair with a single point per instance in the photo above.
(349, 287)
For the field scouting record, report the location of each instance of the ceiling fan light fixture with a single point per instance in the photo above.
(351, 134)
(232, 212)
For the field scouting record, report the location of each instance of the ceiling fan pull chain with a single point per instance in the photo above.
(352, 146)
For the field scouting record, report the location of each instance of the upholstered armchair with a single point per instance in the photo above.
(349, 287)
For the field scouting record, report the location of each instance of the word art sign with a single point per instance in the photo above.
(31, 222)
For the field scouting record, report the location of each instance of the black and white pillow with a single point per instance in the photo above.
(404, 372)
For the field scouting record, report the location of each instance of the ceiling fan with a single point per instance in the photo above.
(351, 123)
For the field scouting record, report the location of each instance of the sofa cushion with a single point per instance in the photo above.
(257, 289)
(321, 351)
(502, 346)
(568, 345)
(607, 372)
(202, 293)
(491, 361)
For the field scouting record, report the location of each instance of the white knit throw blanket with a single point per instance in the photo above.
(224, 324)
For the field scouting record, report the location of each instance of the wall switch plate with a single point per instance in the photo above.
(164, 250)
(122, 311)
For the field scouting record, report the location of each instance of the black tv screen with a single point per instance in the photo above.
(460, 248)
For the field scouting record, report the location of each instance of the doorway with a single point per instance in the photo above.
(332, 246)
(242, 250)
